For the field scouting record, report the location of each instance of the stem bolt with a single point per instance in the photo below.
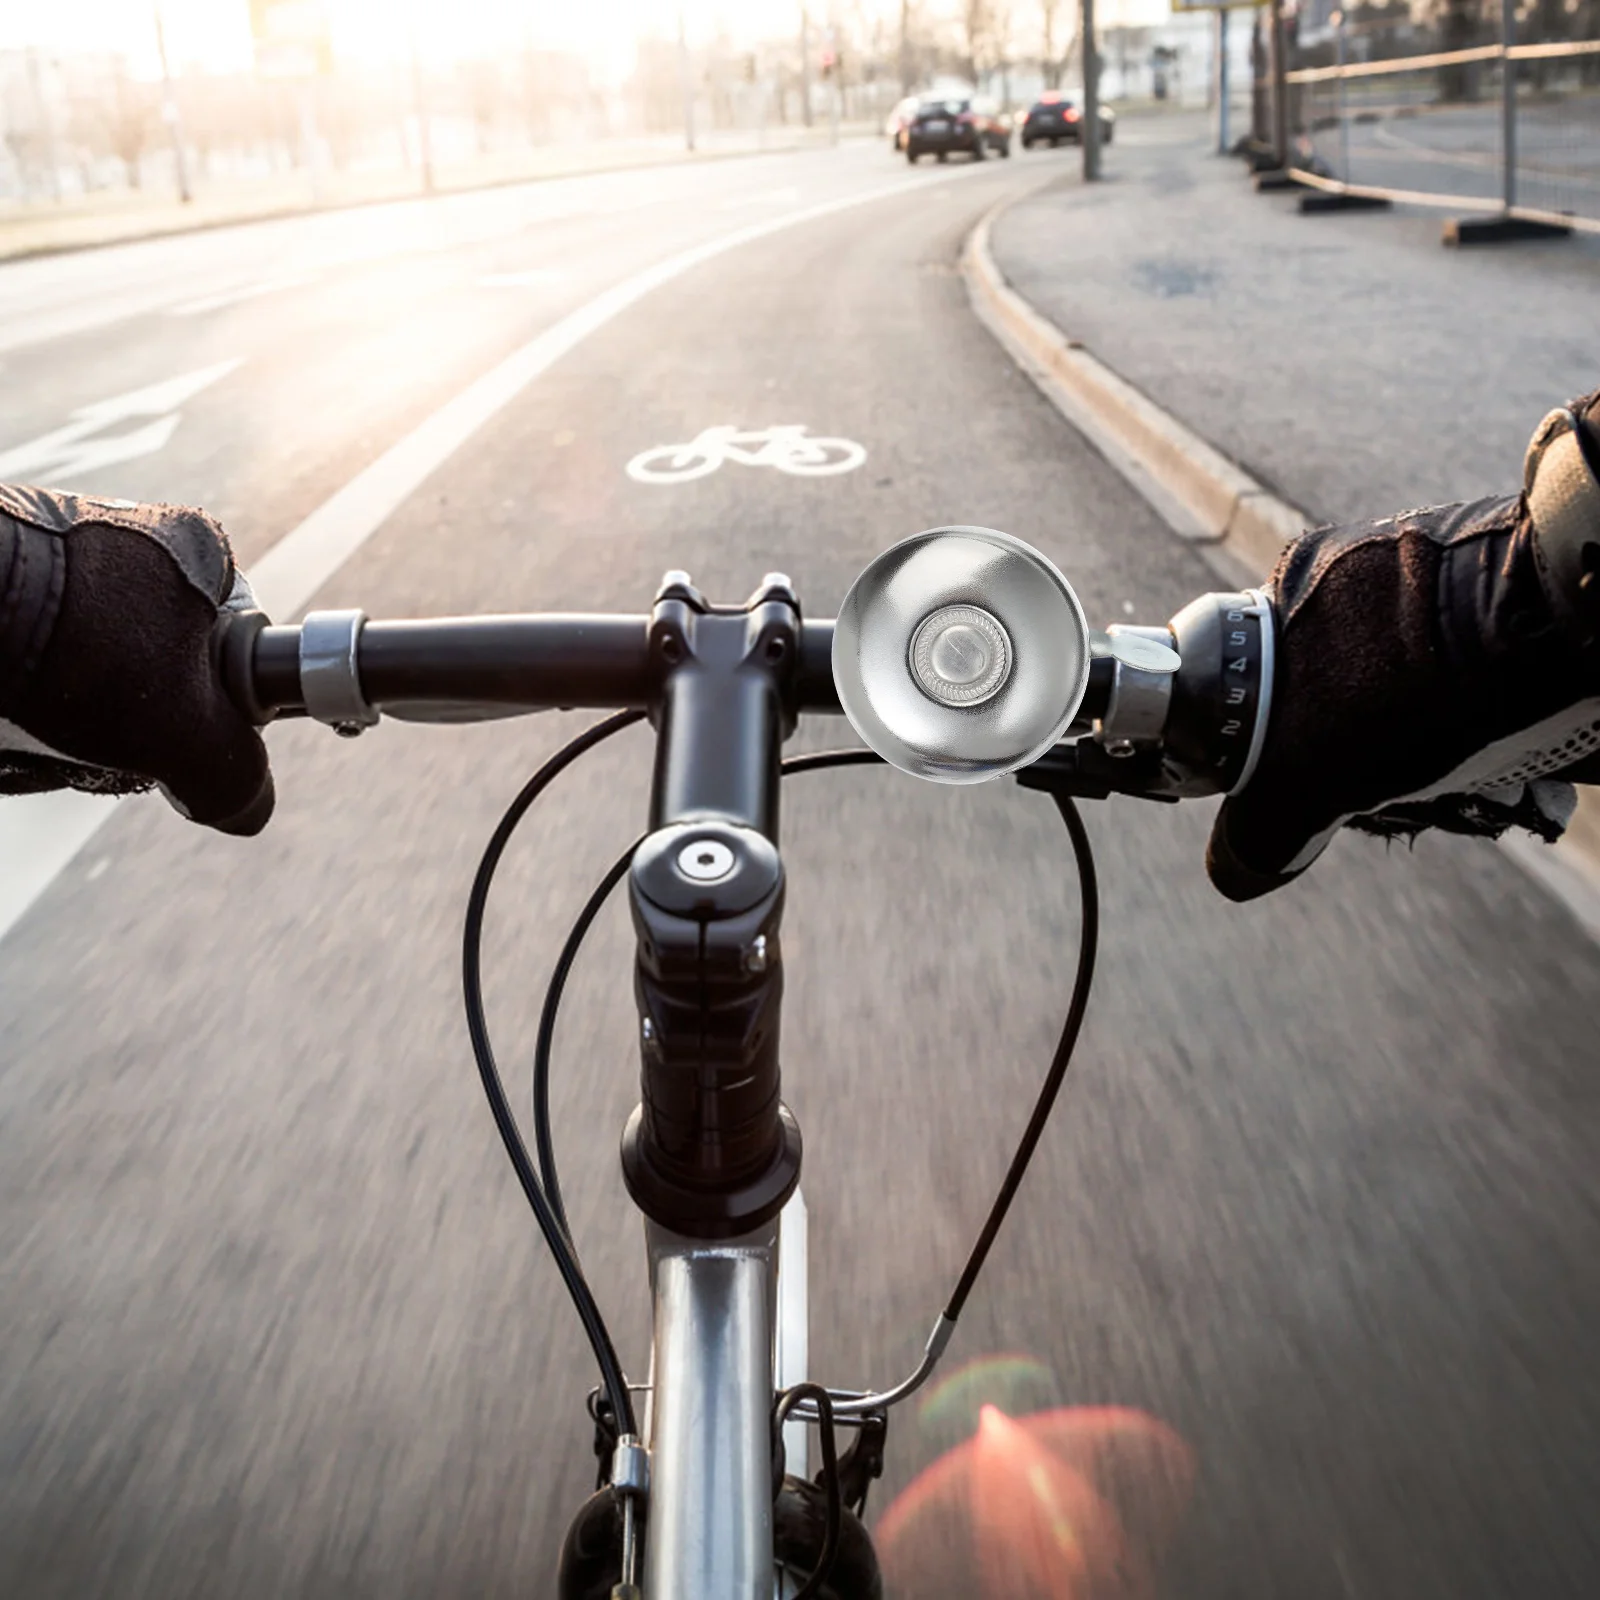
(706, 860)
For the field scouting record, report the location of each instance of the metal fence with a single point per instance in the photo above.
(1506, 119)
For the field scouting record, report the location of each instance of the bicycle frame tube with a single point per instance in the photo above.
(710, 1534)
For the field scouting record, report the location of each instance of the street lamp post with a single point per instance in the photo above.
(805, 65)
(1224, 88)
(1090, 137)
(1508, 103)
(685, 81)
(1344, 109)
(419, 96)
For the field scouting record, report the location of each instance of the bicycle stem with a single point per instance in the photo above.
(711, 1152)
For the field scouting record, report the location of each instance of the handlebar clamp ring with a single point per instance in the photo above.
(330, 679)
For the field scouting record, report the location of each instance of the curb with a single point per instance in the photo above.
(1206, 498)
(1236, 523)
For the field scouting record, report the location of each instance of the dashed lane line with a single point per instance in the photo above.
(234, 297)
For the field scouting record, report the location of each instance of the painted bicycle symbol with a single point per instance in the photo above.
(784, 446)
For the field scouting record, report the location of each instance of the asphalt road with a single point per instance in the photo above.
(273, 1320)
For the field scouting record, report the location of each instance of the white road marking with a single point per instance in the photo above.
(81, 446)
(534, 277)
(784, 446)
(233, 297)
(768, 197)
(40, 834)
(300, 563)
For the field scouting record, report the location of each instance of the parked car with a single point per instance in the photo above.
(900, 119)
(1053, 118)
(973, 124)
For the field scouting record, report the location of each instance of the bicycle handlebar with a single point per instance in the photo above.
(1167, 712)
(504, 665)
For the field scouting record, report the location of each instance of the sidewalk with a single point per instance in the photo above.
(1346, 361)
(120, 216)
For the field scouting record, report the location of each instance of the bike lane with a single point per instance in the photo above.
(1320, 1194)
(189, 1175)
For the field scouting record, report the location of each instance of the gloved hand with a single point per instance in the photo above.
(1435, 669)
(107, 681)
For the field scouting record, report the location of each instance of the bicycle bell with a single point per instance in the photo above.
(960, 654)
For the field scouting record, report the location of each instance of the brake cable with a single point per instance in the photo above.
(550, 1225)
(787, 1404)
(543, 1142)
(845, 1404)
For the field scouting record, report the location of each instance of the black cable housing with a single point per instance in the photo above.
(543, 1187)
(1088, 945)
(554, 1230)
(823, 1401)
(543, 1140)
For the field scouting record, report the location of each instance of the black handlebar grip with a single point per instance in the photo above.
(233, 653)
(528, 662)
(1096, 692)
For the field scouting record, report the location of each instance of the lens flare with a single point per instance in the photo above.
(1017, 1384)
(1072, 1504)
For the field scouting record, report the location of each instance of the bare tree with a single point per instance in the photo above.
(1051, 53)
(1000, 31)
(975, 30)
(1459, 25)
(484, 95)
(908, 63)
(129, 117)
(986, 40)
(920, 49)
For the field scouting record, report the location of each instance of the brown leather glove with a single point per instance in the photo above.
(107, 681)
(1435, 669)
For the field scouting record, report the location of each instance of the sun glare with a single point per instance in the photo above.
(215, 35)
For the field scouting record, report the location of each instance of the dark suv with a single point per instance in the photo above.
(973, 125)
(1053, 117)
